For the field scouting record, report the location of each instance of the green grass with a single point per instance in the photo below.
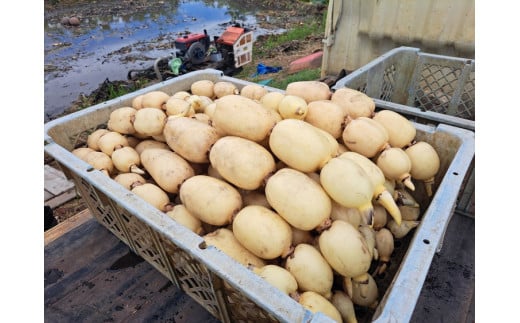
(115, 91)
(265, 48)
(306, 29)
(305, 75)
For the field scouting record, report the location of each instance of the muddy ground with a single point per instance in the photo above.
(106, 41)
(283, 14)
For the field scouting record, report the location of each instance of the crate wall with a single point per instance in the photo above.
(426, 88)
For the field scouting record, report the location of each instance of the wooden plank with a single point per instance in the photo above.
(448, 291)
(57, 188)
(61, 199)
(90, 301)
(67, 225)
(78, 256)
(91, 276)
(471, 313)
(55, 181)
(47, 195)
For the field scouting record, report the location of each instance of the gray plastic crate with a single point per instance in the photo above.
(228, 290)
(427, 88)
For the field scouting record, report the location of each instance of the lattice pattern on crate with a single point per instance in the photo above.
(466, 107)
(241, 309)
(387, 88)
(143, 241)
(362, 88)
(436, 87)
(193, 277)
(99, 206)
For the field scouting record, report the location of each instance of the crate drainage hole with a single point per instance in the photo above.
(426, 241)
(90, 169)
(455, 173)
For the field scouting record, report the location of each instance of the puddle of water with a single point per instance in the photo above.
(78, 59)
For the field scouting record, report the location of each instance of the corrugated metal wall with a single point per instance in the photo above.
(358, 31)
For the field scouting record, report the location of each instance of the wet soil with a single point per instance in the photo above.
(270, 15)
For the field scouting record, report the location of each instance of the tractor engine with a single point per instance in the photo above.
(192, 48)
(235, 45)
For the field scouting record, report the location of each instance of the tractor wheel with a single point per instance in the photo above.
(196, 54)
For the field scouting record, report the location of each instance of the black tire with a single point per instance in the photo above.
(196, 54)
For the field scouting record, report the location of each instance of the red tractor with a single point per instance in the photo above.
(235, 46)
(227, 53)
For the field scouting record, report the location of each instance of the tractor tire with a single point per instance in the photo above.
(196, 54)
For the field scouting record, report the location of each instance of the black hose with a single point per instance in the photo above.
(156, 67)
(149, 72)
